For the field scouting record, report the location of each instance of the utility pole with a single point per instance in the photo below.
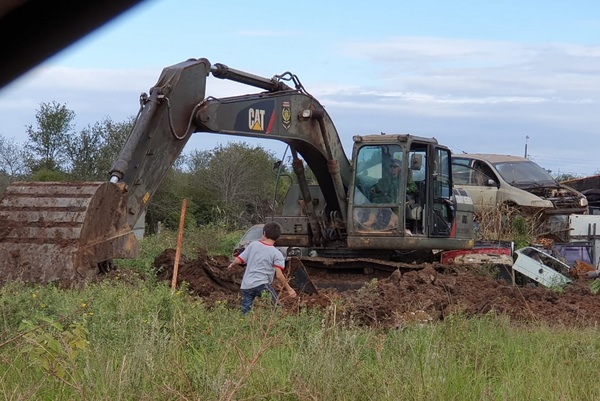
(526, 138)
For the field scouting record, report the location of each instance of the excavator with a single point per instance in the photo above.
(68, 232)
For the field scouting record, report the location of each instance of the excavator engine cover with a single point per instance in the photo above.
(62, 232)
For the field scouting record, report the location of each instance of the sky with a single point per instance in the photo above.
(480, 77)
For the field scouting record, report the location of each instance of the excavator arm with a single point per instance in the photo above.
(160, 132)
(176, 108)
(66, 231)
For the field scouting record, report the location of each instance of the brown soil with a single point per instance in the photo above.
(429, 294)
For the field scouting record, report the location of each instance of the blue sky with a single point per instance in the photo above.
(479, 77)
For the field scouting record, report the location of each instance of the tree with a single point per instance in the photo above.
(96, 148)
(48, 143)
(84, 154)
(234, 183)
(12, 162)
(12, 159)
(114, 134)
(166, 202)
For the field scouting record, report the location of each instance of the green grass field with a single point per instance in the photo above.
(132, 338)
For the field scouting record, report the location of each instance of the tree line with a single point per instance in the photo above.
(232, 185)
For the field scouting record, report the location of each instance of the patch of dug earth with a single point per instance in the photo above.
(430, 294)
(206, 276)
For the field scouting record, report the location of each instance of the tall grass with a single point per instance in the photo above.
(506, 223)
(136, 340)
(132, 338)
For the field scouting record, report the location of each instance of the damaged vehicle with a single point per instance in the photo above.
(539, 267)
(493, 180)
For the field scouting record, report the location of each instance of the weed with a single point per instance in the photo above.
(508, 223)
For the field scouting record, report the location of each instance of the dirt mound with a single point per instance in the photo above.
(430, 294)
(206, 276)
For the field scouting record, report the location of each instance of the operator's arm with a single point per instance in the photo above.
(281, 278)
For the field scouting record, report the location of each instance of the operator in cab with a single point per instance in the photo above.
(386, 190)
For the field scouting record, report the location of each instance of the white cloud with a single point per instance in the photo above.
(103, 80)
(485, 68)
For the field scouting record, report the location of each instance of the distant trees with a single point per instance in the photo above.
(54, 151)
(236, 180)
(231, 185)
(94, 149)
(12, 162)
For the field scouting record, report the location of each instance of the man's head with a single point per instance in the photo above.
(272, 230)
(395, 167)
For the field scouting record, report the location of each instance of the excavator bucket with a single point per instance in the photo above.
(298, 277)
(62, 232)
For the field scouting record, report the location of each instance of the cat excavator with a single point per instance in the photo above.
(69, 231)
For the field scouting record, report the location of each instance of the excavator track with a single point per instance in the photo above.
(62, 232)
(366, 264)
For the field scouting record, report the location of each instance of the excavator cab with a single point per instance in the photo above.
(401, 197)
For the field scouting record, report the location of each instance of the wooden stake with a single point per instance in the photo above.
(179, 242)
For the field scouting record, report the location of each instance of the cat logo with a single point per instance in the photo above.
(256, 119)
(286, 115)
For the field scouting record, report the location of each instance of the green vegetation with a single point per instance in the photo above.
(215, 239)
(133, 338)
(138, 340)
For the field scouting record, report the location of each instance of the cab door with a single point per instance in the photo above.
(441, 212)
